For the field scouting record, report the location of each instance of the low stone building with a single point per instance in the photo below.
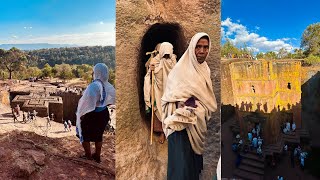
(44, 104)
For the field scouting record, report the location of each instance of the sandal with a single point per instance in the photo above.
(96, 158)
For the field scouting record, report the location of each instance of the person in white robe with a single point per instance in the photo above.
(187, 104)
(161, 66)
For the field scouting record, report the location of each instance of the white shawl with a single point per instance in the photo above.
(92, 96)
(189, 78)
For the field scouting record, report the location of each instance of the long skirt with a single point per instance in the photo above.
(183, 163)
(93, 125)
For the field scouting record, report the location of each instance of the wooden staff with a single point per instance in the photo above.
(152, 105)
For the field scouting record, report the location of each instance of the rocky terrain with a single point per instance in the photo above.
(33, 150)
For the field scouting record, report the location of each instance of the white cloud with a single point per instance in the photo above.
(239, 35)
(14, 36)
(285, 39)
(101, 22)
(82, 39)
(222, 33)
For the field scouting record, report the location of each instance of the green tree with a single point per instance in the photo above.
(289, 55)
(310, 40)
(21, 74)
(282, 53)
(34, 72)
(228, 47)
(84, 70)
(47, 70)
(260, 55)
(312, 59)
(298, 54)
(2, 56)
(64, 71)
(12, 60)
(270, 55)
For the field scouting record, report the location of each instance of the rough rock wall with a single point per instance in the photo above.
(4, 97)
(70, 104)
(311, 102)
(135, 158)
(271, 82)
(267, 87)
(226, 84)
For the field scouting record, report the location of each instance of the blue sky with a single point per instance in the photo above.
(81, 22)
(267, 25)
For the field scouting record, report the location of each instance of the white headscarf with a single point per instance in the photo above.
(189, 78)
(93, 96)
(166, 48)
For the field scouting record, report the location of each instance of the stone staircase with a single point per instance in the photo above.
(289, 138)
(251, 167)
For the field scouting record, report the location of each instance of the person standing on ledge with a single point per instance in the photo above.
(187, 105)
(92, 112)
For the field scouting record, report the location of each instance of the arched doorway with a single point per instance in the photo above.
(157, 33)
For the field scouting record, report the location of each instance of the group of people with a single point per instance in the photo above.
(254, 141)
(180, 92)
(73, 89)
(26, 116)
(67, 125)
(287, 127)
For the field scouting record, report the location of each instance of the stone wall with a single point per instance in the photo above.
(266, 87)
(136, 159)
(226, 84)
(44, 105)
(311, 102)
(70, 104)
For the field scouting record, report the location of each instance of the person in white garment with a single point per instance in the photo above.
(92, 112)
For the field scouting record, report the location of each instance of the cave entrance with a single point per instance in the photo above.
(157, 33)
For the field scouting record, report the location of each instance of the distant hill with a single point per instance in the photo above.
(74, 55)
(35, 46)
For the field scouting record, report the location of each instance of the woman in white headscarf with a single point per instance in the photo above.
(92, 113)
(161, 65)
(187, 105)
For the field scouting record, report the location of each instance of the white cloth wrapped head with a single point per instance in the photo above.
(166, 48)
